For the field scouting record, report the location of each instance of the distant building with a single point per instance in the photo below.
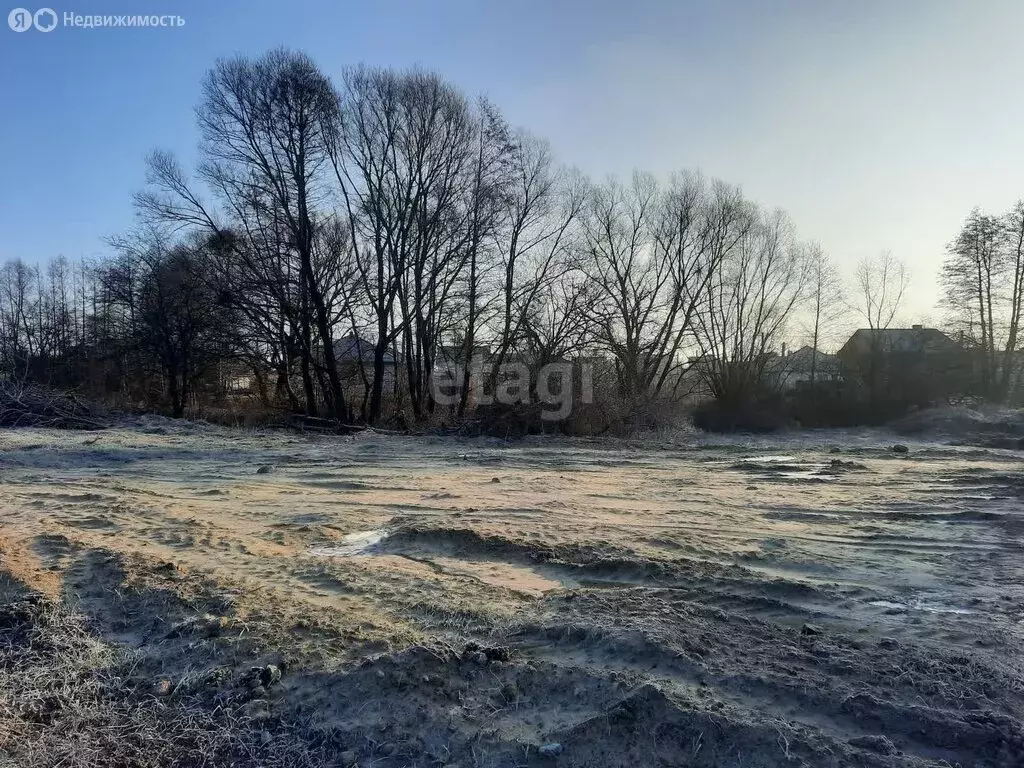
(914, 365)
(354, 356)
(803, 365)
(916, 340)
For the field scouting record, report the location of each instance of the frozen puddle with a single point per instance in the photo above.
(919, 606)
(818, 474)
(358, 543)
(497, 573)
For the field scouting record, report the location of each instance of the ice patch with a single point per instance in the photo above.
(358, 543)
(920, 606)
(809, 474)
(517, 578)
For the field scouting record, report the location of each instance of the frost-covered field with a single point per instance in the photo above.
(808, 599)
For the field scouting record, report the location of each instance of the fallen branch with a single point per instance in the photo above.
(34, 406)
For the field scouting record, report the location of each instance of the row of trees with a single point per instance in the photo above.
(147, 325)
(391, 208)
(394, 209)
(983, 278)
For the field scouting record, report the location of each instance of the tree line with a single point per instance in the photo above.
(390, 208)
(983, 281)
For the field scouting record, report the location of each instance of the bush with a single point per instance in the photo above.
(509, 421)
(762, 416)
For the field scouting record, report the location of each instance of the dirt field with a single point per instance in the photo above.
(176, 594)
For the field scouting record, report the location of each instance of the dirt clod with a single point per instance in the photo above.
(263, 677)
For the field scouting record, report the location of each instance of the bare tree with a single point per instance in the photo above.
(18, 308)
(983, 277)
(881, 281)
(753, 293)
(826, 297)
(630, 284)
(378, 195)
(1013, 230)
(971, 276)
(534, 243)
(175, 322)
(488, 200)
(403, 161)
(266, 126)
(650, 254)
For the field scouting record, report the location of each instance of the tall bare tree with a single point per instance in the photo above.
(403, 161)
(650, 254)
(266, 127)
(971, 277)
(826, 298)
(881, 281)
(1013, 231)
(534, 242)
(881, 284)
(491, 178)
(753, 293)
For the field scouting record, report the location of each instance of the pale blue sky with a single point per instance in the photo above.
(876, 124)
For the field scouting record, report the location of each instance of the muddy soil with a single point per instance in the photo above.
(815, 600)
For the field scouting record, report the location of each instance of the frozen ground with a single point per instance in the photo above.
(803, 600)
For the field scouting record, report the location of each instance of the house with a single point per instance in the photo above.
(354, 356)
(914, 365)
(916, 340)
(803, 365)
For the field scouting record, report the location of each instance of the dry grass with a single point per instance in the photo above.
(69, 699)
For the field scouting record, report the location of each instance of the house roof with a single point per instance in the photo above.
(888, 340)
(352, 349)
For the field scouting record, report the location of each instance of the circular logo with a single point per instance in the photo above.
(20, 19)
(45, 19)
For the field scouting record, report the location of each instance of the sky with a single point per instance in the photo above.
(876, 124)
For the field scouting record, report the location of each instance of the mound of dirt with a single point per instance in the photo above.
(964, 423)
